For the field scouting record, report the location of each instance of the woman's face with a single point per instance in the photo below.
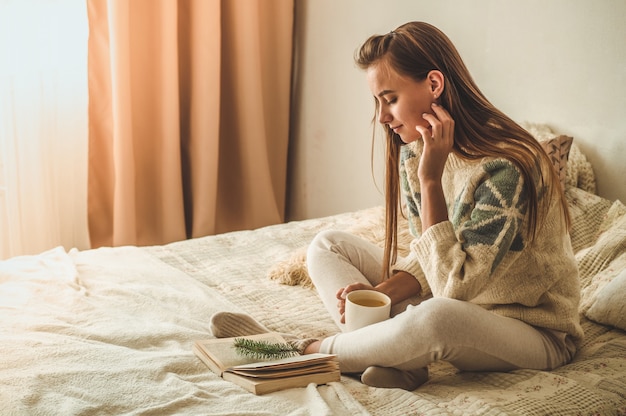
(402, 101)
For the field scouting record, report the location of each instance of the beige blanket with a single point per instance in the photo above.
(110, 331)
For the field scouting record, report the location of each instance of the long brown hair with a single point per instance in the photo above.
(481, 130)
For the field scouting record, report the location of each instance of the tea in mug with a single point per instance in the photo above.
(366, 307)
(369, 302)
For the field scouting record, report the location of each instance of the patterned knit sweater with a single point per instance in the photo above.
(480, 254)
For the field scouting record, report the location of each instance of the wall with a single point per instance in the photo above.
(559, 62)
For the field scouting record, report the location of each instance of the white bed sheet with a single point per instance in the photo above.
(109, 331)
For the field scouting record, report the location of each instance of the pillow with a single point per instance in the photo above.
(579, 171)
(558, 149)
(539, 131)
(609, 307)
(600, 264)
(588, 212)
(292, 271)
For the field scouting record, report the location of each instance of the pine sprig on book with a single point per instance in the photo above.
(262, 350)
(265, 375)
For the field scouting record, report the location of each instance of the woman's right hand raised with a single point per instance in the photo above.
(438, 142)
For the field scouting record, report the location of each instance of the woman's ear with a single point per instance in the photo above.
(437, 83)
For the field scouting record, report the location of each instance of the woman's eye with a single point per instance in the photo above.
(393, 100)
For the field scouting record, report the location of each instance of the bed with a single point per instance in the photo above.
(110, 330)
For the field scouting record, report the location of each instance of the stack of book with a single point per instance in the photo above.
(265, 376)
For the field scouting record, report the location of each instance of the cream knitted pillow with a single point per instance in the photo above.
(579, 173)
(609, 307)
(602, 263)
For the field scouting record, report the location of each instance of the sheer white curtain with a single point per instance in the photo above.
(43, 125)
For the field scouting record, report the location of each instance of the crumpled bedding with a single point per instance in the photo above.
(109, 331)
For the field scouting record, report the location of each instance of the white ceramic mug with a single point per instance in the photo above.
(366, 307)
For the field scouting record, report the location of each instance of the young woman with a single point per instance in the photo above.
(491, 282)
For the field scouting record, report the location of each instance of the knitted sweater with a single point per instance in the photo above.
(480, 254)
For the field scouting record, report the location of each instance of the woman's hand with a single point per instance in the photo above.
(438, 143)
(343, 292)
(398, 287)
(437, 147)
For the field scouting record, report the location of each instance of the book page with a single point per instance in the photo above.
(285, 363)
(223, 353)
(268, 385)
(312, 369)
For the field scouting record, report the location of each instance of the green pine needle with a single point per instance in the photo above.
(263, 350)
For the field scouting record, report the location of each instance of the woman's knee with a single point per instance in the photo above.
(327, 241)
(319, 250)
(320, 244)
(439, 317)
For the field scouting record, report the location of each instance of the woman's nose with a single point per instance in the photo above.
(384, 117)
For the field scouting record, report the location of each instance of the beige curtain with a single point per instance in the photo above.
(188, 117)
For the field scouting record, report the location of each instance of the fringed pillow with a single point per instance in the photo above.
(558, 149)
(556, 146)
(292, 271)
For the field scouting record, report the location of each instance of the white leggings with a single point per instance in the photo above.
(423, 331)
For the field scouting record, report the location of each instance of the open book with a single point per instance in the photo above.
(260, 377)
